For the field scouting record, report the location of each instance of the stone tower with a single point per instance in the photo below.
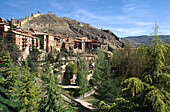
(49, 12)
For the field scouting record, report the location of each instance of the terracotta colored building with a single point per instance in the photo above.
(25, 39)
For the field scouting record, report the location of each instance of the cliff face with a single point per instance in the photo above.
(62, 25)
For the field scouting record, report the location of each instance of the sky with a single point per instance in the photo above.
(122, 17)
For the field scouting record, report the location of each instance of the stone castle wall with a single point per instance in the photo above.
(24, 20)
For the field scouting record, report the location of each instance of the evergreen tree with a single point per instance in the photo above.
(32, 65)
(9, 44)
(110, 89)
(52, 101)
(81, 80)
(1, 42)
(150, 92)
(34, 53)
(28, 92)
(71, 68)
(9, 75)
(108, 83)
(10, 39)
(101, 69)
(50, 57)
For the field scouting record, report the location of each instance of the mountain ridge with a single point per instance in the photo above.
(69, 27)
(144, 39)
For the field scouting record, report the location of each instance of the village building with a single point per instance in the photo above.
(42, 36)
(104, 47)
(96, 44)
(47, 41)
(50, 47)
(3, 25)
(79, 44)
(68, 43)
(24, 40)
(88, 57)
(58, 40)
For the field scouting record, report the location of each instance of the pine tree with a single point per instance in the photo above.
(9, 75)
(28, 92)
(52, 100)
(9, 72)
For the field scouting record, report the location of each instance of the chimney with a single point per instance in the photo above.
(49, 12)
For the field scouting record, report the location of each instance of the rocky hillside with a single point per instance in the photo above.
(62, 25)
(144, 39)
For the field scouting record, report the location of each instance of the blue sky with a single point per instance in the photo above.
(122, 17)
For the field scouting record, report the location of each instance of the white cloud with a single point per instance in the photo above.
(128, 31)
(85, 15)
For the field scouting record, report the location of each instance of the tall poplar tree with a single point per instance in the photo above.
(100, 69)
(83, 71)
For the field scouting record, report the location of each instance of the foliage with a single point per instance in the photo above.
(51, 102)
(110, 89)
(34, 53)
(117, 105)
(57, 56)
(28, 91)
(91, 82)
(45, 75)
(83, 70)
(101, 69)
(9, 72)
(127, 62)
(149, 90)
(32, 65)
(8, 43)
(41, 41)
(70, 69)
(50, 57)
(8, 81)
(10, 36)
(134, 86)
